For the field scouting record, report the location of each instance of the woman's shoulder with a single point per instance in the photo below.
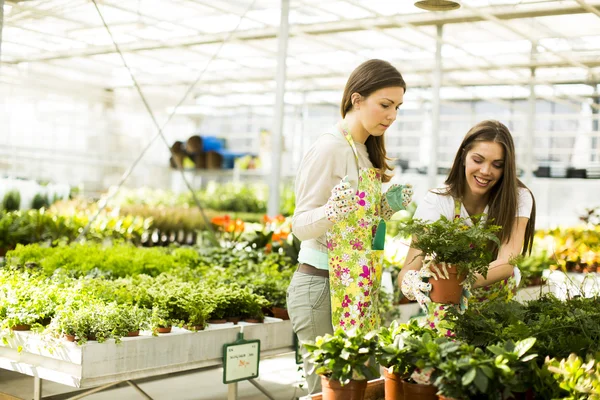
(330, 143)
(524, 193)
(524, 201)
(435, 204)
(440, 195)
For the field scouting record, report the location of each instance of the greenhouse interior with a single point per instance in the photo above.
(300, 199)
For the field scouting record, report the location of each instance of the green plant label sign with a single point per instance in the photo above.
(240, 360)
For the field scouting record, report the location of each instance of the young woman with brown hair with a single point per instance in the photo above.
(339, 208)
(483, 179)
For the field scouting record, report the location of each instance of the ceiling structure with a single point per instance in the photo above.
(489, 47)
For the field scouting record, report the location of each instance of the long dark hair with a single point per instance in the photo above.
(367, 78)
(503, 201)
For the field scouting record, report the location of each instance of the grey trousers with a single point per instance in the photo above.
(309, 307)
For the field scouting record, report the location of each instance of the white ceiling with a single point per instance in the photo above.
(168, 44)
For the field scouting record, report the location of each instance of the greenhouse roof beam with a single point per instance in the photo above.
(311, 29)
(489, 17)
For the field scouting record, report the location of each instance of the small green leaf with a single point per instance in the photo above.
(481, 381)
(468, 377)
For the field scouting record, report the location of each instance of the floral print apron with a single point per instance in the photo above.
(354, 267)
(504, 289)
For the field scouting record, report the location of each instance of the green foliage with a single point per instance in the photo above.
(40, 201)
(561, 328)
(393, 351)
(467, 372)
(580, 380)
(42, 226)
(11, 200)
(343, 355)
(454, 242)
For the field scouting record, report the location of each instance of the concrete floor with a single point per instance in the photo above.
(278, 375)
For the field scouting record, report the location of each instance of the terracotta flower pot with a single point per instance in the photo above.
(164, 330)
(70, 338)
(394, 390)
(415, 391)
(217, 321)
(235, 320)
(279, 312)
(133, 333)
(442, 397)
(23, 327)
(447, 291)
(333, 390)
(194, 327)
(252, 320)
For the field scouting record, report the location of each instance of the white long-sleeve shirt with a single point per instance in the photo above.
(324, 166)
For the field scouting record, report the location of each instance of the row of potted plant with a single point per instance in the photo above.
(97, 308)
(230, 197)
(42, 226)
(420, 364)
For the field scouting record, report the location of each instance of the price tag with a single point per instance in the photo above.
(240, 360)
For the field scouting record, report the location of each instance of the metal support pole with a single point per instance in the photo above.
(530, 130)
(94, 390)
(232, 391)
(37, 388)
(140, 391)
(595, 126)
(435, 110)
(1, 24)
(276, 147)
(262, 389)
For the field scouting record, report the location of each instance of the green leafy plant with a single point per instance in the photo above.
(11, 200)
(467, 372)
(342, 356)
(580, 380)
(454, 242)
(40, 201)
(393, 350)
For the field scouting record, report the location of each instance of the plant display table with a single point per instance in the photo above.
(95, 364)
(569, 284)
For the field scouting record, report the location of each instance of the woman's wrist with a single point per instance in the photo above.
(495, 274)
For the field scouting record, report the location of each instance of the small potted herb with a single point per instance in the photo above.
(465, 249)
(341, 360)
(392, 353)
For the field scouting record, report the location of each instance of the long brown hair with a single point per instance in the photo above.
(367, 78)
(503, 200)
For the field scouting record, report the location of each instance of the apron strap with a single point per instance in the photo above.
(457, 208)
(344, 129)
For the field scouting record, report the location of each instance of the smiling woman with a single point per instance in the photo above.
(482, 180)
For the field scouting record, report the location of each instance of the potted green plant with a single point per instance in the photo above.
(11, 200)
(341, 360)
(392, 353)
(423, 353)
(129, 320)
(464, 248)
(197, 308)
